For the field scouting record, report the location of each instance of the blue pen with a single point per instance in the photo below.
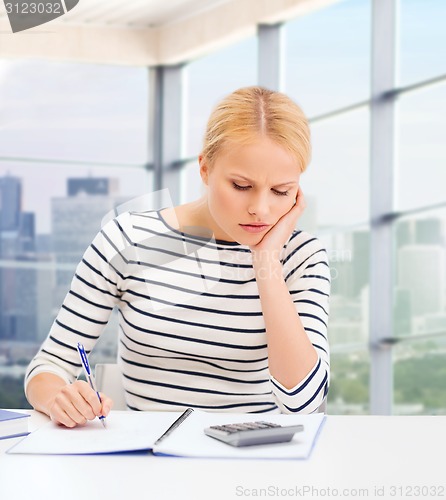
(88, 374)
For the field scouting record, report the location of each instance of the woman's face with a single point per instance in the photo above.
(250, 188)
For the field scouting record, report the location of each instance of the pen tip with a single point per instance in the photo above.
(103, 422)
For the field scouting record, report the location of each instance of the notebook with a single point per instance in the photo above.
(128, 431)
(13, 424)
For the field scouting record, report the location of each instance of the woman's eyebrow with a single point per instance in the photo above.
(289, 183)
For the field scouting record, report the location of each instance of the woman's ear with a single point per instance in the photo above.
(204, 169)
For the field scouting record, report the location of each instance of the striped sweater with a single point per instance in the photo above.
(191, 330)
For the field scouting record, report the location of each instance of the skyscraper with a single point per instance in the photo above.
(10, 203)
(429, 231)
(75, 221)
(92, 186)
(421, 271)
(18, 285)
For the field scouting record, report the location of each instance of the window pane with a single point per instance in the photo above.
(421, 149)
(420, 275)
(327, 63)
(349, 257)
(192, 186)
(336, 184)
(419, 378)
(349, 385)
(210, 79)
(422, 40)
(73, 111)
(48, 217)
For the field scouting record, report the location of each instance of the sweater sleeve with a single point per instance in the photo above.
(307, 274)
(86, 309)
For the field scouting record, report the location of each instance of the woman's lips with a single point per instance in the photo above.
(254, 228)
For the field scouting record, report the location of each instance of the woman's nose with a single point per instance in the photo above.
(258, 205)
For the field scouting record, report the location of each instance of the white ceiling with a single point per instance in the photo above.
(136, 13)
(146, 32)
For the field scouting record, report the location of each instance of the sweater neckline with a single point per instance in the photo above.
(228, 244)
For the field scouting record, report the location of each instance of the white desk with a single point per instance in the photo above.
(353, 452)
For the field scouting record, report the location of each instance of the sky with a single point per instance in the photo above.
(98, 113)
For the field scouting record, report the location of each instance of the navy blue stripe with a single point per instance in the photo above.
(186, 273)
(193, 359)
(293, 252)
(204, 407)
(313, 290)
(317, 263)
(315, 331)
(300, 408)
(319, 347)
(194, 389)
(89, 301)
(317, 276)
(195, 374)
(105, 292)
(196, 308)
(306, 301)
(62, 359)
(173, 271)
(57, 341)
(77, 332)
(293, 271)
(29, 373)
(193, 323)
(293, 236)
(188, 339)
(301, 387)
(306, 315)
(98, 252)
(194, 355)
(184, 290)
(177, 255)
(97, 271)
(72, 311)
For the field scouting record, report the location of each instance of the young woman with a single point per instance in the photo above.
(223, 305)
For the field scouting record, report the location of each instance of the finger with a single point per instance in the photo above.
(107, 404)
(300, 198)
(83, 406)
(90, 396)
(75, 394)
(68, 414)
(75, 415)
(59, 416)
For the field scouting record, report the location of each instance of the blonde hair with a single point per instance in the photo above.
(252, 111)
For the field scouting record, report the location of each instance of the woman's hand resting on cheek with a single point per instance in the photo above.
(272, 243)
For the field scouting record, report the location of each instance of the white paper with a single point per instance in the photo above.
(134, 431)
(125, 431)
(189, 439)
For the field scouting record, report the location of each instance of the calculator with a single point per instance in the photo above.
(253, 433)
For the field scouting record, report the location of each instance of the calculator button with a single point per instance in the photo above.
(269, 424)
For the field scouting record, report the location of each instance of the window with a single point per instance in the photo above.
(422, 40)
(73, 145)
(211, 78)
(328, 57)
(327, 71)
(421, 152)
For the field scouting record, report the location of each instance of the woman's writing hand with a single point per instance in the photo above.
(76, 403)
(272, 243)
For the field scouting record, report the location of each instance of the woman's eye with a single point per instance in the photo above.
(280, 193)
(242, 188)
